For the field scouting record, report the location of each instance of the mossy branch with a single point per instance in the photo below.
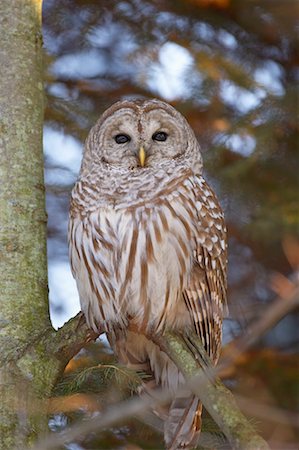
(202, 380)
(70, 339)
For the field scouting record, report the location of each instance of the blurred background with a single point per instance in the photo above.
(232, 68)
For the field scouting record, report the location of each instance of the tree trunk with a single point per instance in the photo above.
(24, 316)
(32, 353)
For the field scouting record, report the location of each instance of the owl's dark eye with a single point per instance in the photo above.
(160, 136)
(122, 138)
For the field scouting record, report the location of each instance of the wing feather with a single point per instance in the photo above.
(205, 295)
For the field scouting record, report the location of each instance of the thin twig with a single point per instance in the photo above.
(135, 406)
(268, 412)
(273, 314)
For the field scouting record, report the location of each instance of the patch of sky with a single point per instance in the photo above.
(110, 34)
(227, 39)
(244, 144)
(269, 76)
(57, 205)
(168, 76)
(204, 31)
(230, 329)
(124, 8)
(60, 90)
(63, 295)
(241, 99)
(115, 44)
(82, 64)
(73, 446)
(170, 21)
(135, 9)
(62, 150)
(59, 177)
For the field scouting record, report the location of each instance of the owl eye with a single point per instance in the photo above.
(122, 138)
(160, 136)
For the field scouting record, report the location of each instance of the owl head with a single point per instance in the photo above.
(141, 135)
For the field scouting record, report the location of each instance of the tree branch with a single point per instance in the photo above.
(202, 380)
(199, 373)
(71, 338)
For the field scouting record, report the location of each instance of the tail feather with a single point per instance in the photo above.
(182, 427)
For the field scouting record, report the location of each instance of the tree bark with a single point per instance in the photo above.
(32, 355)
(27, 371)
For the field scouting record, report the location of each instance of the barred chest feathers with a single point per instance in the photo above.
(132, 263)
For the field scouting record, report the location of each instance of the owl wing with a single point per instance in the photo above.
(205, 295)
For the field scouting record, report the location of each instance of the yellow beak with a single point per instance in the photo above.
(142, 156)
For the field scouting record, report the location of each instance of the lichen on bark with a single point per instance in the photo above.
(24, 315)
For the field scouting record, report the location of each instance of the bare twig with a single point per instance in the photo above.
(267, 412)
(135, 406)
(278, 309)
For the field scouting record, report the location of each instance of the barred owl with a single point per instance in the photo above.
(147, 244)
